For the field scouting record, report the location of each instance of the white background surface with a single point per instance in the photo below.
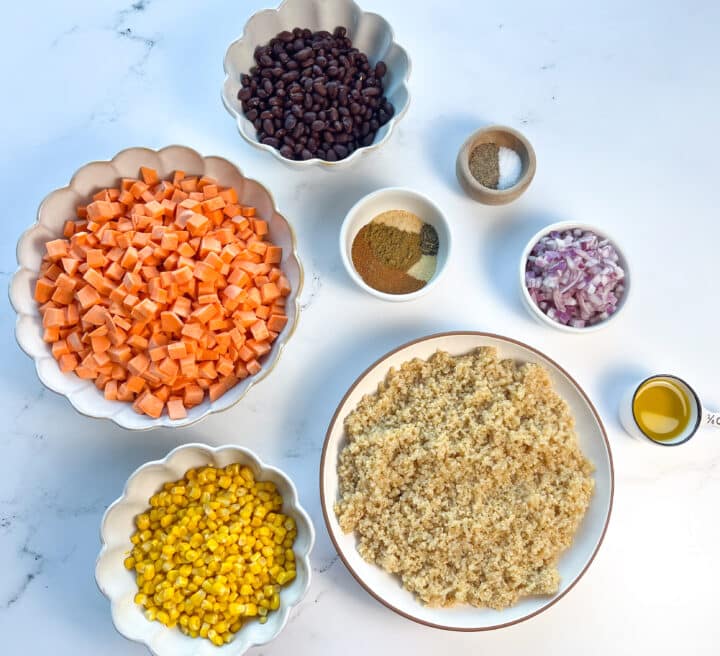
(620, 101)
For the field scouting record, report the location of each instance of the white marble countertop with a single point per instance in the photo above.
(620, 101)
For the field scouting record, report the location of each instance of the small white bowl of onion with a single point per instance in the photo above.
(573, 277)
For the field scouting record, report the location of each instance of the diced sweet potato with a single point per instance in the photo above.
(163, 290)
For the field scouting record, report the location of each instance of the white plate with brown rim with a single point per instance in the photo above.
(573, 563)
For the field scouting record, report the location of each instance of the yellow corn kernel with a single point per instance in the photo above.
(286, 576)
(210, 550)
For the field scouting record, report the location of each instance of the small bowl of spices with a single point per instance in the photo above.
(495, 165)
(395, 243)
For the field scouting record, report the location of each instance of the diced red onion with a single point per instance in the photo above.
(574, 277)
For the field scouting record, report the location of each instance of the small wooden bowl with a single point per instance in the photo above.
(502, 136)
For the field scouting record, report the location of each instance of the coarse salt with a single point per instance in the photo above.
(510, 166)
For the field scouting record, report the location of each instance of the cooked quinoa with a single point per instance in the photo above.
(463, 476)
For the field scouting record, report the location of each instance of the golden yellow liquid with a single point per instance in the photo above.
(662, 409)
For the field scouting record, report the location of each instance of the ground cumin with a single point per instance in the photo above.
(374, 271)
(398, 249)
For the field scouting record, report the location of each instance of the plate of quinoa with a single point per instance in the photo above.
(466, 481)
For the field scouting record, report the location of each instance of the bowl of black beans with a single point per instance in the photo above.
(315, 82)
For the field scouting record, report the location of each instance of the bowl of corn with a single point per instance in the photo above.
(206, 552)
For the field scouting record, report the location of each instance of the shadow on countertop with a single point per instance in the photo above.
(501, 249)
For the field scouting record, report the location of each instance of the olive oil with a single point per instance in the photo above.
(662, 408)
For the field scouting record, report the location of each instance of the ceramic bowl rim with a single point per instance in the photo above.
(533, 308)
(151, 424)
(314, 161)
(263, 467)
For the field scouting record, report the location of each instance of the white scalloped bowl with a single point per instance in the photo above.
(60, 205)
(118, 584)
(369, 32)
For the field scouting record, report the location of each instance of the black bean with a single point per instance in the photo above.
(303, 54)
(312, 94)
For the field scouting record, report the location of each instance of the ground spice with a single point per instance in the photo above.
(395, 248)
(401, 219)
(429, 241)
(377, 274)
(484, 164)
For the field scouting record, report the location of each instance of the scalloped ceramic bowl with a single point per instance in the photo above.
(369, 32)
(60, 205)
(118, 584)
